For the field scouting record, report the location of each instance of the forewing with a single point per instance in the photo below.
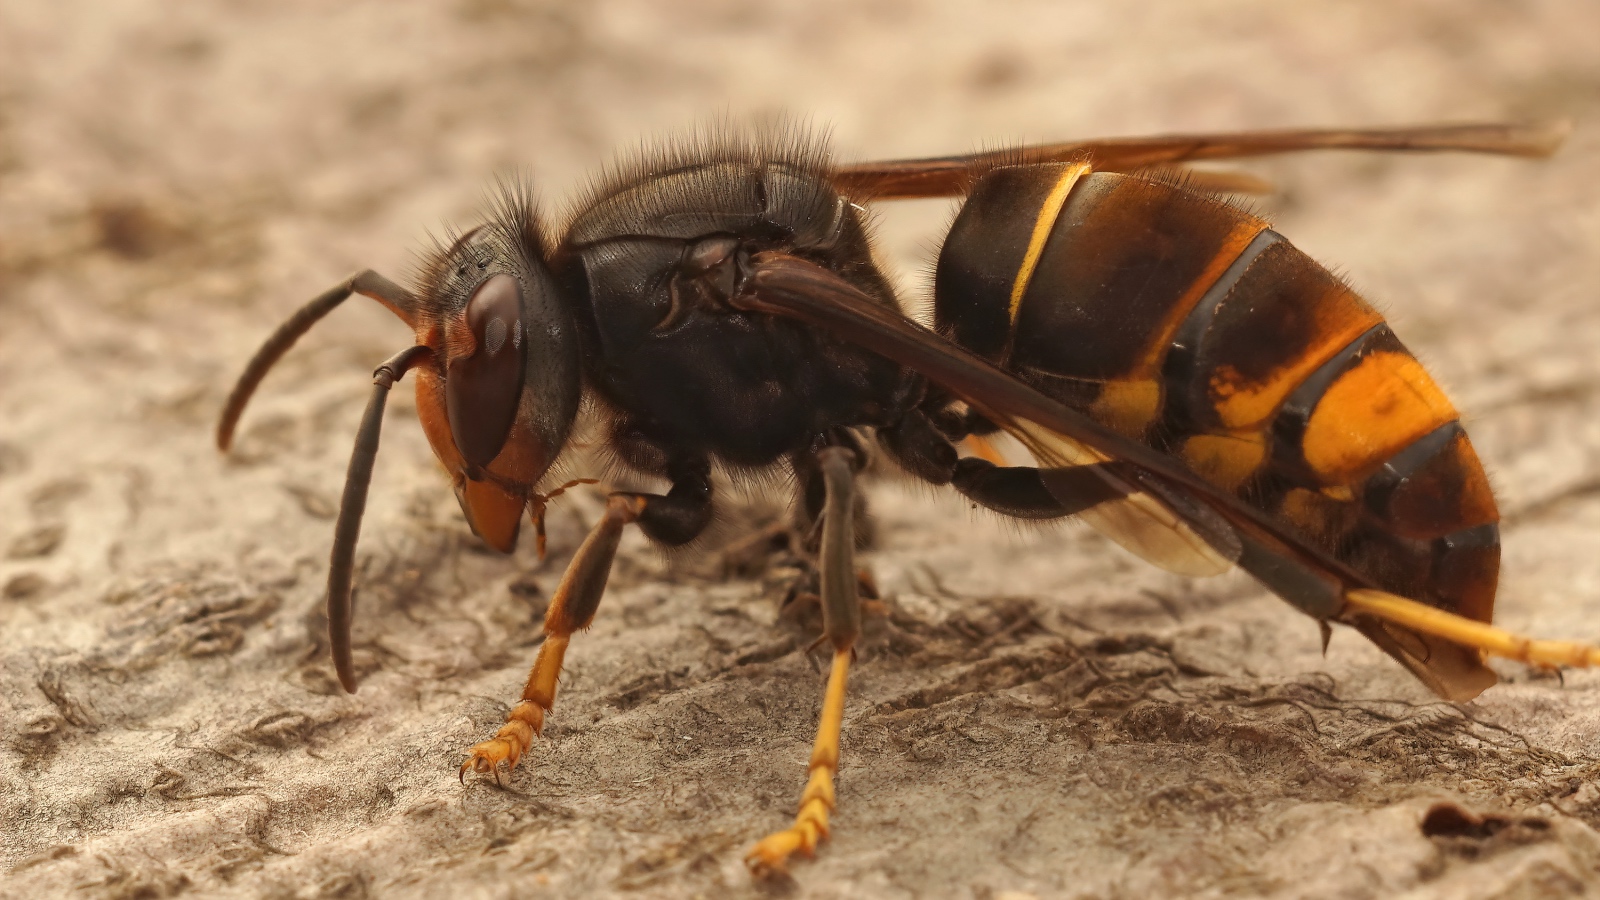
(948, 176)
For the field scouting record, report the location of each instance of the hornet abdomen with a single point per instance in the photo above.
(1186, 323)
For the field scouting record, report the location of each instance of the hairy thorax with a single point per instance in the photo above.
(655, 263)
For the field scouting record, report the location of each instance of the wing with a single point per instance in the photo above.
(1115, 506)
(1164, 511)
(1143, 516)
(1138, 520)
(947, 176)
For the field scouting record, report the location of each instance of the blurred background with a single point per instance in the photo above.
(176, 178)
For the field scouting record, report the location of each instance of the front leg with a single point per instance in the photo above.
(674, 518)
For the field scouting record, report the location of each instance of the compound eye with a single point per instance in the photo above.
(482, 391)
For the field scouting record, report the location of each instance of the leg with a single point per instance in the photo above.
(1480, 636)
(802, 603)
(1022, 492)
(841, 624)
(674, 518)
(1025, 492)
(571, 610)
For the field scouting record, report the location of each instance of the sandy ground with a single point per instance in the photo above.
(1039, 714)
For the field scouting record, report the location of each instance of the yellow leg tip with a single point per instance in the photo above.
(485, 758)
(770, 856)
(1471, 633)
(508, 744)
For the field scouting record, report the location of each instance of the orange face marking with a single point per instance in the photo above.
(495, 513)
(523, 460)
(494, 506)
(435, 424)
(1339, 318)
(1226, 460)
(1371, 412)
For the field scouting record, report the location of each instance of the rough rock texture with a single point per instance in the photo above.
(1038, 714)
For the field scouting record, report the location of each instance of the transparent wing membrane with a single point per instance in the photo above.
(1138, 521)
